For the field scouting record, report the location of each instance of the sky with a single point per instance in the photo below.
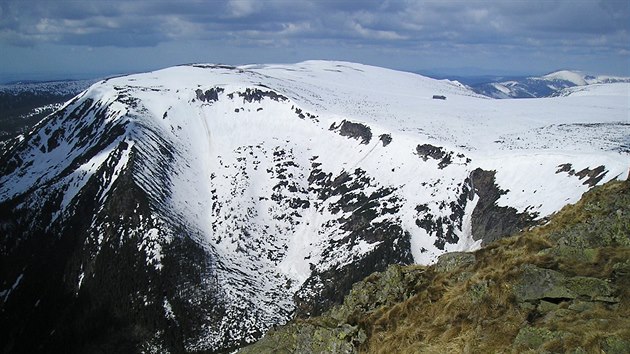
(56, 39)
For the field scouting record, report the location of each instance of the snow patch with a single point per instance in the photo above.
(6, 293)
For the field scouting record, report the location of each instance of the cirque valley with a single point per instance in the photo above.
(196, 207)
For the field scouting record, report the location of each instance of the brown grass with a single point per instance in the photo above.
(480, 314)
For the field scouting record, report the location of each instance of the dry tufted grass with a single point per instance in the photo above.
(479, 313)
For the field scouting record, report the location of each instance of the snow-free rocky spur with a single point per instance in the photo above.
(196, 207)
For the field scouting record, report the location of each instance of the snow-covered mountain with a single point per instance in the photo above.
(195, 207)
(552, 84)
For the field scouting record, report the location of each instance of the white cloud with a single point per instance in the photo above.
(243, 8)
(177, 28)
(293, 29)
(478, 15)
(376, 34)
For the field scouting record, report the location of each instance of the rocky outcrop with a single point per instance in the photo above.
(491, 222)
(590, 176)
(354, 130)
(428, 151)
(454, 260)
(209, 96)
(340, 329)
(386, 139)
(328, 287)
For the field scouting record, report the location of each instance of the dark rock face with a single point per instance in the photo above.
(250, 95)
(210, 95)
(428, 151)
(386, 139)
(590, 177)
(303, 114)
(354, 130)
(489, 221)
(93, 278)
(333, 285)
(446, 227)
(323, 289)
(109, 309)
(215, 66)
(256, 95)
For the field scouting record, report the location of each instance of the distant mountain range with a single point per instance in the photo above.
(552, 84)
(22, 104)
(58, 88)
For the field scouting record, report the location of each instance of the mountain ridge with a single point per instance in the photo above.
(264, 192)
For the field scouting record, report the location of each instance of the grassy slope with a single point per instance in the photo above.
(562, 287)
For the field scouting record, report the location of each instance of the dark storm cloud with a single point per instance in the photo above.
(397, 22)
(395, 33)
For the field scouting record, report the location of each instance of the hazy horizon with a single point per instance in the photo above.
(438, 73)
(46, 40)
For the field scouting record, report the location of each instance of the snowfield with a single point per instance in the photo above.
(526, 138)
(271, 164)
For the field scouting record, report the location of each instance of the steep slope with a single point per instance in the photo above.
(196, 207)
(548, 85)
(560, 288)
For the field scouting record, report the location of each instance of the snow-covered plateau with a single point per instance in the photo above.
(201, 205)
